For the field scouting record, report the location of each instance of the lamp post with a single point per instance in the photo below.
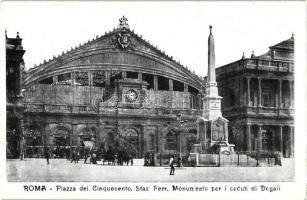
(180, 126)
(257, 142)
(22, 143)
(178, 117)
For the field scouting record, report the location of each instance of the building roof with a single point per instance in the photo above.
(121, 39)
(281, 51)
(286, 44)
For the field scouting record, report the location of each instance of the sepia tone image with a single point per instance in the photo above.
(117, 108)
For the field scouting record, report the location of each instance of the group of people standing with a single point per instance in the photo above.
(92, 158)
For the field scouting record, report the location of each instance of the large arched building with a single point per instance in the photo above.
(116, 85)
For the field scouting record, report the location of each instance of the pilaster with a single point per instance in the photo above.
(248, 137)
(248, 91)
(259, 92)
(260, 137)
(156, 82)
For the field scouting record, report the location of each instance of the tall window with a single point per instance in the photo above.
(33, 137)
(192, 102)
(268, 97)
(171, 141)
(267, 144)
(231, 98)
(151, 142)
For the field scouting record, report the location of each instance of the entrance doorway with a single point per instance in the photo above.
(267, 139)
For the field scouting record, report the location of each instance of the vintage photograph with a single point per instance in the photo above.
(151, 91)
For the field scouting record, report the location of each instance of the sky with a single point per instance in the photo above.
(180, 29)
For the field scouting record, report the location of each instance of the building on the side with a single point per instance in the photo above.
(14, 104)
(115, 86)
(258, 99)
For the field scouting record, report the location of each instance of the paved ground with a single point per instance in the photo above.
(61, 170)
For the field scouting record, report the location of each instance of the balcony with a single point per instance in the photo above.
(256, 64)
(107, 109)
(261, 111)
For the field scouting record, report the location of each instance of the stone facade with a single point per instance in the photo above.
(116, 85)
(14, 105)
(258, 100)
(119, 85)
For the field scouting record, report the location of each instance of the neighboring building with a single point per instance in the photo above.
(14, 104)
(116, 85)
(258, 100)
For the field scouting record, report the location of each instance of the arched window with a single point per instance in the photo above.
(151, 142)
(131, 136)
(33, 137)
(110, 138)
(171, 141)
(60, 137)
(191, 139)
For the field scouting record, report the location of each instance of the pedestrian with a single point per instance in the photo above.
(171, 164)
(87, 157)
(189, 161)
(73, 157)
(94, 159)
(47, 155)
(77, 157)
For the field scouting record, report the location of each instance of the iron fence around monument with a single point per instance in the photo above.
(239, 159)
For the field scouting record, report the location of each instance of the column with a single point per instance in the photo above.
(160, 138)
(170, 84)
(44, 138)
(249, 138)
(248, 91)
(241, 92)
(291, 86)
(185, 96)
(274, 148)
(186, 87)
(142, 142)
(280, 140)
(280, 94)
(72, 75)
(19, 80)
(108, 78)
(21, 140)
(291, 142)
(259, 92)
(74, 140)
(55, 79)
(144, 138)
(259, 137)
(124, 74)
(140, 76)
(90, 82)
(156, 82)
(102, 133)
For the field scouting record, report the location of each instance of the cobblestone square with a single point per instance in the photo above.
(62, 170)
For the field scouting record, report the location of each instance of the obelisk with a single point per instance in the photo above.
(211, 100)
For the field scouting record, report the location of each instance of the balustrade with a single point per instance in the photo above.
(256, 64)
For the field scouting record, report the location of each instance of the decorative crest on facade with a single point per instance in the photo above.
(123, 39)
(123, 22)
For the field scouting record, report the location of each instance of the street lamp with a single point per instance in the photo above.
(22, 143)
